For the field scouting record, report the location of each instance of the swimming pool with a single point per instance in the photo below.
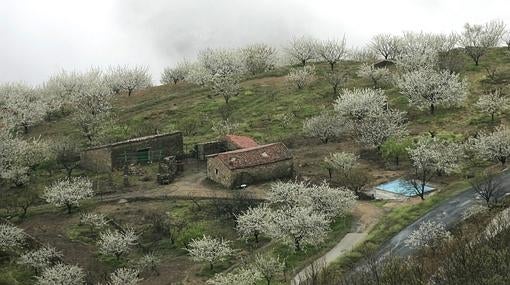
(401, 187)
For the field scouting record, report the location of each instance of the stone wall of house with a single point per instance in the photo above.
(219, 173)
(97, 160)
(159, 147)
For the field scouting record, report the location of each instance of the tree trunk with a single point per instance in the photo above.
(432, 109)
(297, 245)
(211, 266)
(130, 91)
(69, 172)
(256, 237)
(25, 129)
(69, 208)
(397, 160)
(332, 65)
(330, 174)
(303, 62)
(492, 117)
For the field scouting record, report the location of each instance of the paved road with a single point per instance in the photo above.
(449, 212)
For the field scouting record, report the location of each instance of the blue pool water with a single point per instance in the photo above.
(401, 187)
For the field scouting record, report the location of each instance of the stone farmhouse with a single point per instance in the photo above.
(249, 162)
(147, 149)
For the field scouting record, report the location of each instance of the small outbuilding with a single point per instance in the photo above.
(252, 164)
(234, 142)
(147, 149)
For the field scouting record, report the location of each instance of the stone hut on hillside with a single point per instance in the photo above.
(147, 149)
(252, 164)
(384, 64)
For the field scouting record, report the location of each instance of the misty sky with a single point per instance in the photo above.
(40, 37)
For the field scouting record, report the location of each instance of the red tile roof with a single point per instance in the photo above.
(254, 156)
(241, 141)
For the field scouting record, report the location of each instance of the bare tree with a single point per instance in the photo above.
(337, 80)
(477, 39)
(386, 45)
(332, 51)
(487, 186)
(302, 49)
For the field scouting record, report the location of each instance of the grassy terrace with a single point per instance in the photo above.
(259, 109)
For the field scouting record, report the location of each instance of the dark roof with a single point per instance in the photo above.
(384, 63)
(133, 140)
(254, 156)
(241, 141)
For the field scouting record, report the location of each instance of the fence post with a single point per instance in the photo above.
(126, 171)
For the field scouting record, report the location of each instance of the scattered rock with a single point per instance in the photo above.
(122, 201)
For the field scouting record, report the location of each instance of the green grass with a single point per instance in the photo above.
(264, 98)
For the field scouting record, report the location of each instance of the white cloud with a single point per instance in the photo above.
(41, 37)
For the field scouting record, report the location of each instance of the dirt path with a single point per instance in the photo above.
(187, 186)
(367, 216)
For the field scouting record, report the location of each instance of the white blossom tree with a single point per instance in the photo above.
(268, 266)
(221, 70)
(68, 192)
(302, 49)
(356, 104)
(124, 276)
(11, 237)
(19, 157)
(298, 226)
(431, 157)
(364, 55)
(477, 39)
(134, 78)
(175, 74)
(94, 220)
(492, 103)
(377, 127)
(23, 106)
(340, 161)
(429, 234)
(92, 103)
(117, 243)
(253, 222)
(377, 75)
(61, 88)
(239, 276)
(62, 274)
(210, 250)
(301, 77)
(258, 58)
(329, 201)
(386, 45)
(331, 51)
(324, 126)
(427, 88)
(40, 258)
(197, 74)
(148, 262)
(493, 146)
